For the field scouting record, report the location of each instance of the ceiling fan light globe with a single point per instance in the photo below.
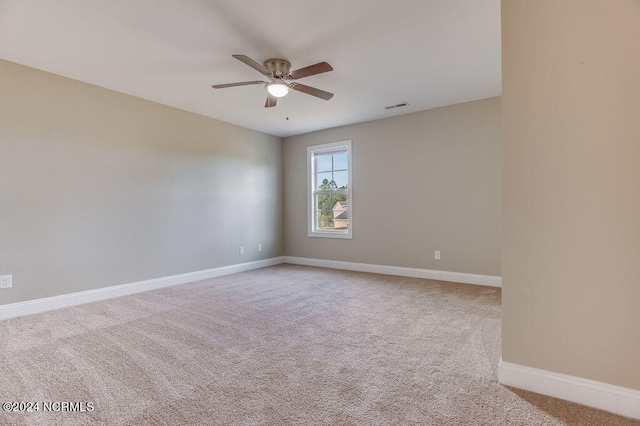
(277, 89)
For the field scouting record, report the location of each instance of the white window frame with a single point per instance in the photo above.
(311, 185)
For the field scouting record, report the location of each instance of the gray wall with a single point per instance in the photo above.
(421, 182)
(571, 109)
(98, 188)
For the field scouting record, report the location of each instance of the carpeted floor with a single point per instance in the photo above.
(286, 345)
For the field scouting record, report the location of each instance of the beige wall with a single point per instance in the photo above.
(98, 188)
(571, 133)
(439, 169)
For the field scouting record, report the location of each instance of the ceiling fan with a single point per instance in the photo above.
(280, 76)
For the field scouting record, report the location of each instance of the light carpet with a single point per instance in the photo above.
(286, 345)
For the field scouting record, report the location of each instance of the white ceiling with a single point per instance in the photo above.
(429, 53)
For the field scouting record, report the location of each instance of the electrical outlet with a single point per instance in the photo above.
(259, 247)
(436, 255)
(5, 281)
(241, 251)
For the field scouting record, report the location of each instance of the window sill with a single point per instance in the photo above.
(331, 234)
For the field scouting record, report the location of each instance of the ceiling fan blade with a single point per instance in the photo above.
(318, 68)
(271, 101)
(312, 91)
(242, 83)
(253, 64)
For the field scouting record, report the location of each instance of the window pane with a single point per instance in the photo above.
(340, 198)
(341, 179)
(323, 202)
(340, 162)
(341, 224)
(340, 212)
(336, 217)
(323, 163)
(324, 181)
(324, 221)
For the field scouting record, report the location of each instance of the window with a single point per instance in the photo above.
(329, 182)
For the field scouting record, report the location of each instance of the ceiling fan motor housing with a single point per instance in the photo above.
(278, 67)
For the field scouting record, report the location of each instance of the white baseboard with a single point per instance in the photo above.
(72, 299)
(603, 396)
(457, 277)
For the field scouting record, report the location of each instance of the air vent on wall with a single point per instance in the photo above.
(403, 104)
